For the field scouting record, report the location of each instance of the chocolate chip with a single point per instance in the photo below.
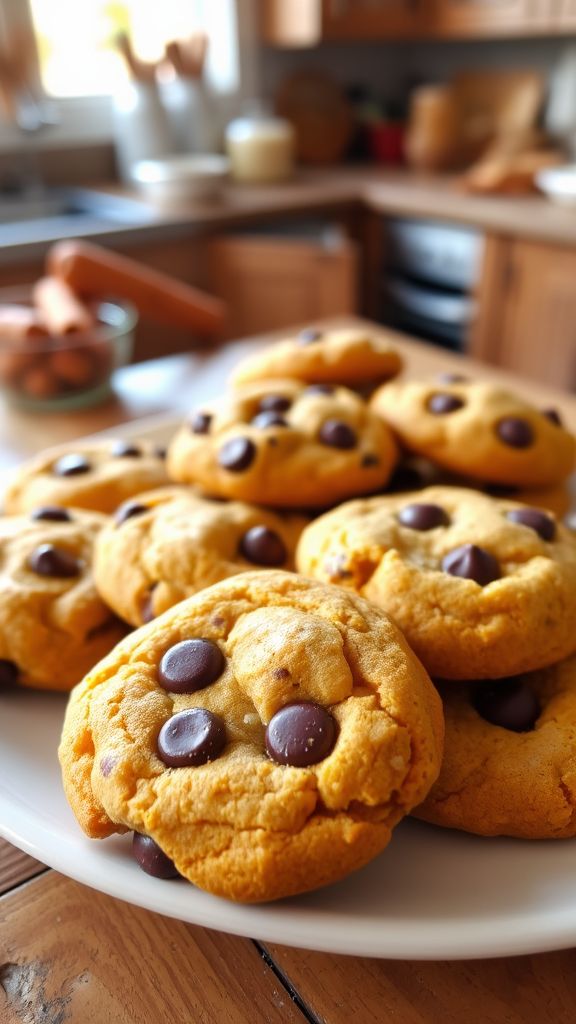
(190, 665)
(509, 703)
(370, 460)
(554, 416)
(274, 403)
(200, 423)
(472, 563)
(320, 389)
(268, 419)
(237, 454)
(122, 449)
(423, 516)
(54, 513)
(337, 434)
(160, 452)
(300, 735)
(263, 546)
(71, 465)
(191, 737)
(544, 525)
(442, 402)
(310, 335)
(281, 673)
(515, 432)
(49, 560)
(151, 858)
(129, 509)
(8, 673)
(451, 378)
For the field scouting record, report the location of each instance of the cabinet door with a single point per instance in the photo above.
(527, 319)
(377, 19)
(491, 17)
(273, 282)
(566, 15)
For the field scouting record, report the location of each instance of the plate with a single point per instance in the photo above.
(433, 894)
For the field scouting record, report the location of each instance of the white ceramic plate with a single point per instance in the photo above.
(432, 895)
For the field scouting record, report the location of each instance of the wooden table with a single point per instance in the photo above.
(69, 954)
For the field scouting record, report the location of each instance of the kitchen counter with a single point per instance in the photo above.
(328, 192)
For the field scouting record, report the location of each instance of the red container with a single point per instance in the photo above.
(386, 142)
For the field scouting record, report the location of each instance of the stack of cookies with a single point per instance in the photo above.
(304, 630)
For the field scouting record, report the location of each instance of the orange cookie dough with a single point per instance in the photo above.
(267, 734)
(96, 475)
(284, 444)
(480, 430)
(509, 764)
(352, 356)
(480, 586)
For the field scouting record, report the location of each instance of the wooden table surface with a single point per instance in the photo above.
(70, 954)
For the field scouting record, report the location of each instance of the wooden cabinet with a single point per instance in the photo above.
(527, 310)
(308, 22)
(274, 282)
(365, 19)
(491, 17)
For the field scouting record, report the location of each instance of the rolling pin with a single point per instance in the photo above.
(95, 272)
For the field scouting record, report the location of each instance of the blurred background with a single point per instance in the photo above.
(413, 161)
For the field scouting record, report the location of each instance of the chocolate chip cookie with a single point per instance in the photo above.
(509, 764)
(96, 475)
(53, 624)
(284, 444)
(479, 430)
(266, 734)
(481, 587)
(351, 356)
(167, 544)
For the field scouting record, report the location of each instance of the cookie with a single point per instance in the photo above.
(480, 586)
(167, 544)
(266, 734)
(479, 430)
(509, 763)
(53, 624)
(97, 475)
(351, 356)
(283, 444)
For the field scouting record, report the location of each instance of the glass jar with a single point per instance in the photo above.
(260, 148)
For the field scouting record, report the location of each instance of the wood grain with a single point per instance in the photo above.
(69, 955)
(15, 866)
(522, 990)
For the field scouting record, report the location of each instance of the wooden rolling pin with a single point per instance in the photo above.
(95, 272)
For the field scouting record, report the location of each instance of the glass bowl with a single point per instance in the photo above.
(70, 371)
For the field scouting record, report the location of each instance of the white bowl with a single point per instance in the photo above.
(559, 184)
(175, 179)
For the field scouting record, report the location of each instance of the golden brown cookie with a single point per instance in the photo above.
(509, 763)
(346, 355)
(167, 544)
(53, 624)
(96, 475)
(267, 734)
(480, 430)
(283, 444)
(480, 586)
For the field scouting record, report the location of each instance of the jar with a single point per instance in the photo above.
(260, 148)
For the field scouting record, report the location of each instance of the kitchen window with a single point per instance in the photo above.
(80, 69)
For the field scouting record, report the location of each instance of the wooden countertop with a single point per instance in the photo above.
(69, 955)
(383, 190)
(327, 192)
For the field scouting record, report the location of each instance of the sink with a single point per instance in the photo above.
(43, 215)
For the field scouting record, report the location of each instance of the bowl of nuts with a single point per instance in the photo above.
(56, 354)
